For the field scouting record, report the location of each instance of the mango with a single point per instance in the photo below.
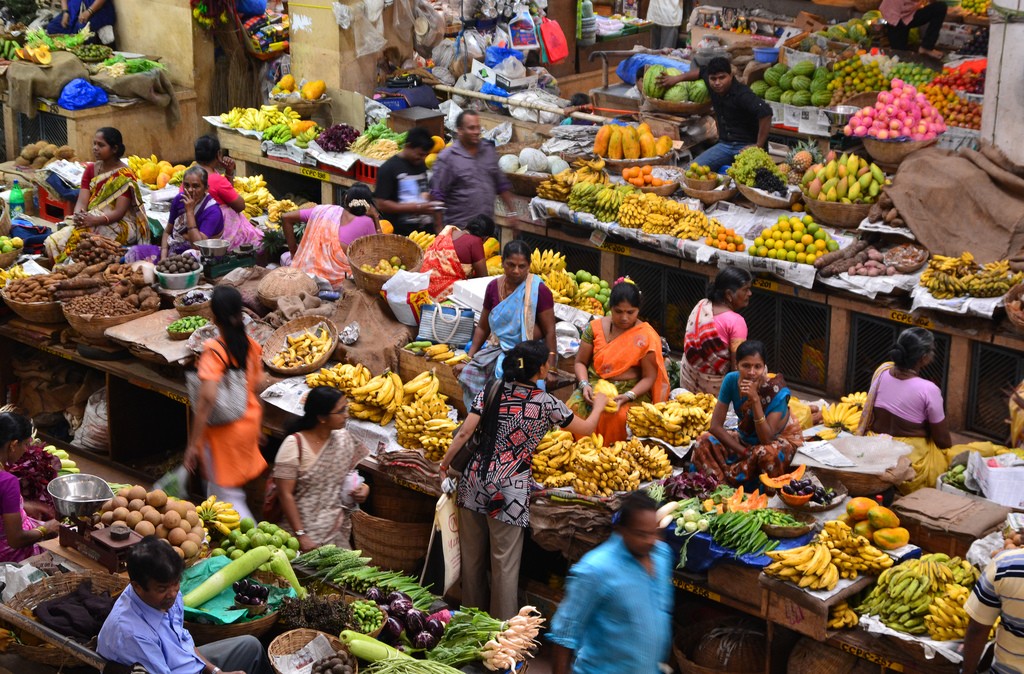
(891, 538)
(883, 518)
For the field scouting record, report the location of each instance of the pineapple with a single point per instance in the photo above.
(800, 158)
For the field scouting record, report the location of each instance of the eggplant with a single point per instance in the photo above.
(397, 595)
(375, 595)
(391, 632)
(424, 640)
(399, 607)
(415, 621)
(237, 586)
(435, 627)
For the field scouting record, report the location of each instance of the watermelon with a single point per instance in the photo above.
(801, 83)
(787, 97)
(820, 72)
(773, 94)
(759, 87)
(677, 93)
(805, 68)
(801, 98)
(786, 81)
(819, 84)
(698, 92)
(651, 88)
(771, 76)
(821, 98)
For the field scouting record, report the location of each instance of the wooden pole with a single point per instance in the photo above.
(526, 104)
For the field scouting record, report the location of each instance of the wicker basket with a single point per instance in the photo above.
(204, 309)
(526, 184)
(179, 336)
(284, 282)
(892, 153)
(92, 327)
(7, 259)
(700, 184)
(837, 214)
(790, 532)
(35, 312)
(203, 633)
(279, 340)
(1014, 310)
(53, 587)
(398, 504)
(687, 645)
(376, 247)
(304, 107)
(766, 200)
(616, 165)
(711, 196)
(665, 190)
(291, 641)
(397, 546)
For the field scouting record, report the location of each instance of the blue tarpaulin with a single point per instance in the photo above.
(628, 69)
(702, 552)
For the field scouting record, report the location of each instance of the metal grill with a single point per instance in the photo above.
(682, 292)
(3, 139)
(993, 371)
(795, 334)
(576, 257)
(46, 126)
(871, 339)
(650, 279)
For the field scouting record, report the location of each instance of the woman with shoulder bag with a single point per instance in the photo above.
(314, 472)
(228, 453)
(494, 490)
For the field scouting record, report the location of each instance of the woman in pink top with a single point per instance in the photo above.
(714, 331)
(902, 15)
(328, 233)
(908, 407)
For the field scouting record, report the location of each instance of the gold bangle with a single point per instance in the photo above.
(759, 421)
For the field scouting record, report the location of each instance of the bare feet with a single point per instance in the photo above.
(934, 53)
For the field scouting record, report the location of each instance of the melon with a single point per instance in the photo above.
(759, 88)
(786, 81)
(698, 92)
(802, 83)
(534, 160)
(805, 68)
(773, 94)
(772, 76)
(509, 163)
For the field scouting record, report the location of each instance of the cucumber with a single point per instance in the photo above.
(412, 346)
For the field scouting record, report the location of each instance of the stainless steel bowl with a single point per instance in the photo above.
(841, 114)
(78, 495)
(213, 247)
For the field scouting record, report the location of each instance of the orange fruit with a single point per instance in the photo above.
(731, 247)
(646, 170)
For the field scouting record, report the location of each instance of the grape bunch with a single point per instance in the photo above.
(746, 163)
(978, 45)
(769, 181)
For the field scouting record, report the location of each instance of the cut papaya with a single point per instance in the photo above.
(782, 480)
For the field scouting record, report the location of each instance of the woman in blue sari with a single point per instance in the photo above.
(518, 307)
(76, 14)
(767, 436)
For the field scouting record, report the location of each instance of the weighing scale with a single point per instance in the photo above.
(97, 544)
(215, 267)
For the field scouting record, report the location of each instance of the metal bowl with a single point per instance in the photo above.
(213, 247)
(841, 114)
(78, 495)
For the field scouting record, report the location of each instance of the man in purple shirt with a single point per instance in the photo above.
(466, 176)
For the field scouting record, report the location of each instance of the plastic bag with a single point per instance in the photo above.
(446, 520)
(78, 94)
(494, 90)
(367, 37)
(511, 67)
(342, 15)
(554, 40)
(496, 55)
(250, 8)
(94, 433)
(175, 482)
(406, 292)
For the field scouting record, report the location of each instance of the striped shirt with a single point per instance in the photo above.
(616, 617)
(1000, 593)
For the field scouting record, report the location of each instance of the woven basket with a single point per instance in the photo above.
(5, 218)
(204, 309)
(351, 599)
(688, 642)
(701, 185)
(279, 340)
(790, 532)
(526, 184)
(35, 312)
(93, 327)
(711, 196)
(304, 107)
(390, 501)
(284, 282)
(837, 214)
(204, 633)
(1014, 310)
(666, 190)
(616, 165)
(396, 546)
(894, 152)
(7, 259)
(179, 336)
(53, 587)
(291, 641)
(768, 201)
(376, 247)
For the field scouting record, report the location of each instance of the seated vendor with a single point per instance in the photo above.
(903, 404)
(194, 215)
(624, 350)
(768, 435)
(20, 533)
(76, 14)
(742, 116)
(146, 625)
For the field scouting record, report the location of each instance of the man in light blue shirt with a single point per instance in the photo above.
(617, 613)
(146, 625)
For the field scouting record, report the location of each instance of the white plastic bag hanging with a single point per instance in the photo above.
(446, 520)
(406, 292)
(342, 15)
(368, 37)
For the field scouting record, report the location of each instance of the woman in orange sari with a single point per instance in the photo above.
(329, 231)
(456, 255)
(624, 350)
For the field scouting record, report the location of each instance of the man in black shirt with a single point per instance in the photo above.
(743, 117)
(402, 192)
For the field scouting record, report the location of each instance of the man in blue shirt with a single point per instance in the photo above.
(617, 612)
(146, 625)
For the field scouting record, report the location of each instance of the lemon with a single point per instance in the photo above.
(758, 242)
(801, 258)
(791, 256)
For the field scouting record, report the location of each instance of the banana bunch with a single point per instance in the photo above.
(590, 172)
(841, 416)
(650, 460)
(278, 208)
(562, 285)
(678, 422)
(253, 189)
(135, 162)
(606, 387)
(842, 617)
(852, 554)
(443, 353)
(947, 277)
(946, 619)
(436, 438)
(379, 399)
(303, 139)
(11, 274)
(252, 119)
(546, 262)
(218, 515)
(67, 464)
(693, 224)
(592, 469)
(558, 186)
(303, 349)
(905, 594)
(341, 376)
(415, 419)
(809, 566)
(422, 239)
(278, 133)
(634, 209)
(993, 280)
(859, 399)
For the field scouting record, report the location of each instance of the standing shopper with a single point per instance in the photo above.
(229, 454)
(999, 593)
(667, 17)
(315, 472)
(902, 15)
(617, 612)
(402, 193)
(494, 491)
(467, 177)
(20, 532)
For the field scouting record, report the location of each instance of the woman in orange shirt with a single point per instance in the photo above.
(229, 454)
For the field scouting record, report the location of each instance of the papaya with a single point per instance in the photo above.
(643, 128)
(287, 83)
(859, 507)
(615, 145)
(42, 55)
(662, 145)
(863, 528)
(647, 145)
(891, 538)
(604, 136)
(630, 143)
(312, 91)
(386, 227)
(883, 518)
(782, 480)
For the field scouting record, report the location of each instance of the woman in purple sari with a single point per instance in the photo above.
(194, 215)
(20, 534)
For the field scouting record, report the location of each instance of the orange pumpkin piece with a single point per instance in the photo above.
(891, 538)
(782, 480)
(858, 508)
(883, 518)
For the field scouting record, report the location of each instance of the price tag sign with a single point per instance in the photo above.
(693, 588)
(616, 248)
(910, 319)
(872, 657)
(765, 284)
(322, 176)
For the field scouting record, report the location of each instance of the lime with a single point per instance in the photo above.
(259, 539)
(236, 554)
(791, 256)
(293, 543)
(811, 249)
(246, 525)
(801, 258)
(603, 283)
(790, 245)
(242, 542)
(773, 253)
(811, 259)
(758, 241)
(762, 251)
(217, 552)
(832, 245)
(812, 226)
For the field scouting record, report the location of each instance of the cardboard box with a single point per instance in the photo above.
(811, 23)
(949, 523)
